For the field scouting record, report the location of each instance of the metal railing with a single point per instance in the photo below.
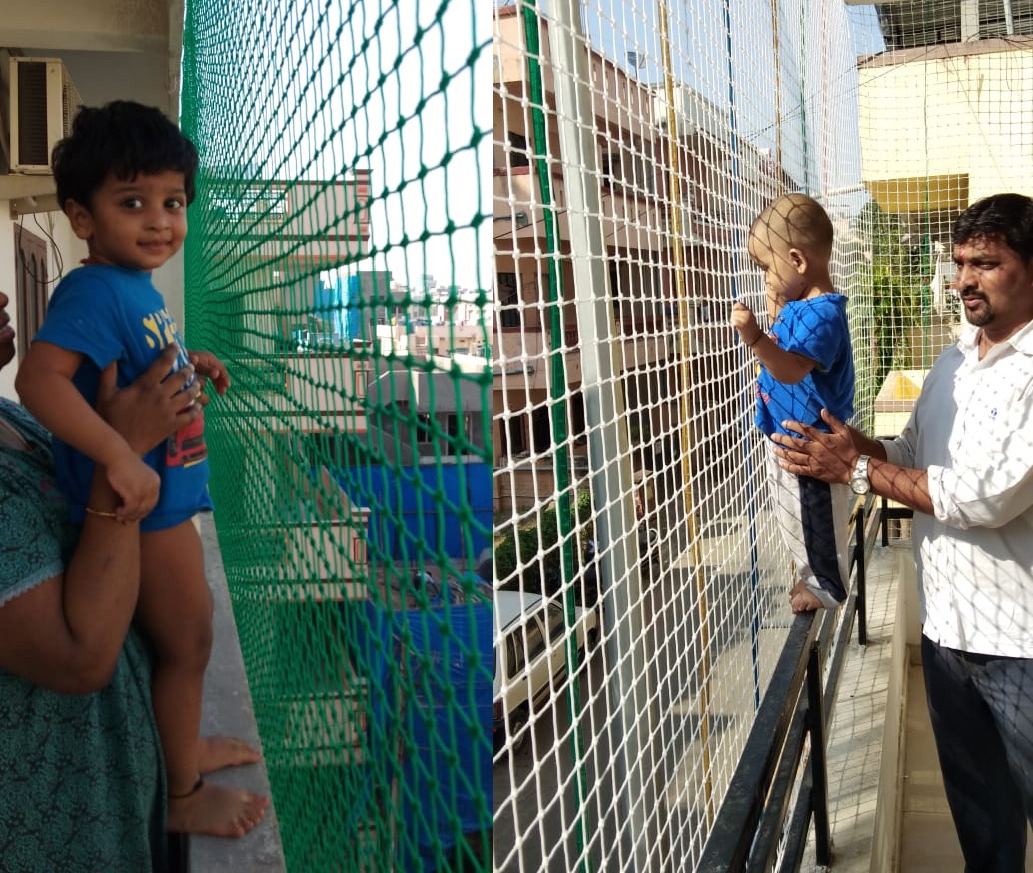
(755, 828)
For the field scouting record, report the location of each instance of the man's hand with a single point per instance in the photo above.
(154, 407)
(210, 369)
(829, 457)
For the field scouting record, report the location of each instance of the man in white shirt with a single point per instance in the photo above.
(964, 463)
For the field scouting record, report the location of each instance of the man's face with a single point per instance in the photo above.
(994, 285)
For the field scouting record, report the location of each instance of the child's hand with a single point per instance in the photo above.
(136, 484)
(210, 369)
(745, 322)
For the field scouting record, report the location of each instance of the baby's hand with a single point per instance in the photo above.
(136, 484)
(211, 370)
(744, 321)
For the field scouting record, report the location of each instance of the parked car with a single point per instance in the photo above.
(530, 655)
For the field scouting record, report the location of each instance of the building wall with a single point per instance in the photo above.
(946, 112)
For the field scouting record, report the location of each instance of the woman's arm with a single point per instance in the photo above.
(66, 632)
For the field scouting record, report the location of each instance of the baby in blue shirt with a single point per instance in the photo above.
(806, 365)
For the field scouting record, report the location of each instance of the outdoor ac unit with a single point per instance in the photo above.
(43, 103)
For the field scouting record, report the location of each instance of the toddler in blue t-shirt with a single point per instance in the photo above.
(124, 178)
(806, 365)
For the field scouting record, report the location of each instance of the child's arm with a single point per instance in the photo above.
(211, 370)
(44, 383)
(787, 367)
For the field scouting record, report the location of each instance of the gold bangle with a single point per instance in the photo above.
(101, 513)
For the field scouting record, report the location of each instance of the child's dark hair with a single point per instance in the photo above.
(123, 139)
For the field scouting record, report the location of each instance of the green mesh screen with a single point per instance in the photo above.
(335, 263)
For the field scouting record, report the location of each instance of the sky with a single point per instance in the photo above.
(725, 50)
(418, 69)
(387, 85)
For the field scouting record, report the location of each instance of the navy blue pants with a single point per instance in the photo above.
(981, 707)
(814, 520)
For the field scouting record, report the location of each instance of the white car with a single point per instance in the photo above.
(530, 655)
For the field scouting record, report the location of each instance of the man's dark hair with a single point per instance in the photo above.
(124, 139)
(1007, 217)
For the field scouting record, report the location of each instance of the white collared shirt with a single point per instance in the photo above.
(972, 430)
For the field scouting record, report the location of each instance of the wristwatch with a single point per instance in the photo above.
(859, 483)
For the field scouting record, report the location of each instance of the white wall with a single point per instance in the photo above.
(99, 76)
(968, 114)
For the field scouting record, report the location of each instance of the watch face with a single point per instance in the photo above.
(859, 485)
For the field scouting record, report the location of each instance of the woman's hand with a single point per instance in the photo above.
(155, 406)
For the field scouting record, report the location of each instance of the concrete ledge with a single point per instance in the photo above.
(889, 808)
(228, 710)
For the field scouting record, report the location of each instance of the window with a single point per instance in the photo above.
(577, 417)
(30, 282)
(535, 640)
(541, 430)
(514, 656)
(518, 153)
(457, 425)
(626, 171)
(555, 622)
(514, 436)
(509, 300)
(424, 430)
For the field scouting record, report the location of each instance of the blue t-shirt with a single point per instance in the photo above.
(817, 329)
(106, 314)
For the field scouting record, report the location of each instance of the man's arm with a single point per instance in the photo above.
(831, 457)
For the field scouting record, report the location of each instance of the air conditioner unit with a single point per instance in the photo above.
(43, 103)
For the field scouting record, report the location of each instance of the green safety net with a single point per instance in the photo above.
(336, 262)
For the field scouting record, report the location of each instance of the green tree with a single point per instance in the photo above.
(899, 290)
(528, 554)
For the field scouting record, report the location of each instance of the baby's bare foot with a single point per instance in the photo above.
(216, 753)
(216, 810)
(802, 599)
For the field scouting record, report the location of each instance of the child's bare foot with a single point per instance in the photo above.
(216, 810)
(802, 599)
(216, 753)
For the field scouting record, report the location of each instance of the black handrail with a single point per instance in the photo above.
(751, 825)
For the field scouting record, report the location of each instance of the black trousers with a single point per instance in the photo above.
(981, 707)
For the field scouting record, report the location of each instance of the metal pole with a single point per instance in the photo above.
(819, 778)
(558, 392)
(685, 328)
(609, 456)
